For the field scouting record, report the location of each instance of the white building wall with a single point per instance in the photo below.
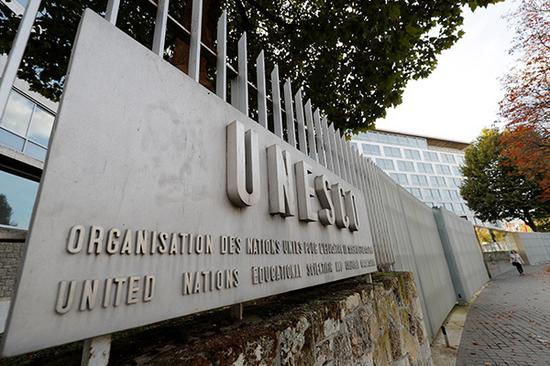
(430, 174)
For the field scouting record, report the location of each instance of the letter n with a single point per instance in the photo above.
(243, 165)
(281, 196)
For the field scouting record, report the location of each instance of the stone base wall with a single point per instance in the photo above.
(11, 254)
(346, 323)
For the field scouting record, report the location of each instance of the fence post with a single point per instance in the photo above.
(96, 351)
(16, 53)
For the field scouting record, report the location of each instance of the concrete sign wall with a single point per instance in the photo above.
(159, 199)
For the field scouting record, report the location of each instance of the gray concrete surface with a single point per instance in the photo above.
(4, 308)
(509, 323)
(463, 254)
(454, 325)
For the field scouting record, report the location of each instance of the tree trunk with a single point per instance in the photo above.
(529, 220)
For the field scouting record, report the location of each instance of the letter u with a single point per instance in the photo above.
(243, 165)
(65, 299)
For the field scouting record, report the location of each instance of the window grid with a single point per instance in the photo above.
(25, 142)
(370, 149)
(412, 154)
(430, 156)
(425, 168)
(442, 169)
(392, 152)
(385, 163)
(405, 166)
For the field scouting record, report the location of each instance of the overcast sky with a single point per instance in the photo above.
(461, 96)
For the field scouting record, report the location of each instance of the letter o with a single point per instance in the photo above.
(76, 239)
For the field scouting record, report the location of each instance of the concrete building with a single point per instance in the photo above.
(427, 167)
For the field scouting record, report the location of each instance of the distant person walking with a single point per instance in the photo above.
(517, 261)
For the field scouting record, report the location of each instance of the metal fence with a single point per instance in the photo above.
(534, 246)
(406, 238)
(405, 232)
(463, 254)
(440, 248)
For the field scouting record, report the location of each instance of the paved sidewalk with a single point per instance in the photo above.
(509, 323)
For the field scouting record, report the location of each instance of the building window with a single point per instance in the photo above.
(432, 193)
(412, 154)
(385, 164)
(454, 195)
(25, 126)
(419, 180)
(456, 170)
(405, 166)
(416, 192)
(369, 149)
(455, 182)
(393, 152)
(447, 158)
(437, 181)
(430, 156)
(17, 197)
(459, 159)
(448, 206)
(458, 208)
(400, 178)
(442, 169)
(425, 168)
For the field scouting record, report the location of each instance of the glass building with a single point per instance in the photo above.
(25, 129)
(429, 168)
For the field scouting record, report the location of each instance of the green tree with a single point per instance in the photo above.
(354, 58)
(5, 210)
(495, 189)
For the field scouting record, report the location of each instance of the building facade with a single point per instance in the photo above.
(429, 168)
(25, 129)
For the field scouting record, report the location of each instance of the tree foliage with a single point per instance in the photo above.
(5, 210)
(525, 107)
(495, 189)
(529, 152)
(353, 58)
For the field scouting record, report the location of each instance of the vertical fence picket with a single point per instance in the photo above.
(319, 137)
(345, 159)
(326, 143)
(16, 53)
(242, 78)
(310, 130)
(352, 163)
(221, 57)
(111, 13)
(347, 156)
(300, 119)
(260, 80)
(160, 27)
(276, 97)
(334, 148)
(357, 157)
(195, 44)
(341, 163)
(289, 109)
